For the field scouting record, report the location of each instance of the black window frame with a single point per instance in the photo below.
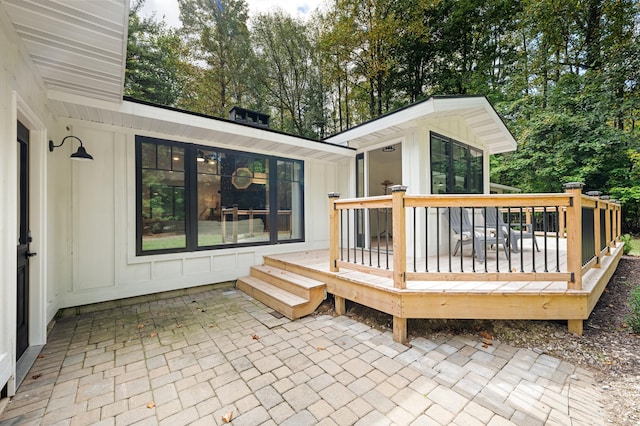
(451, 162)
(191, 199)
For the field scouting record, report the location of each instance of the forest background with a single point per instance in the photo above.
(564, 75)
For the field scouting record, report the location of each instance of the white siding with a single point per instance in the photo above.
(101, 264)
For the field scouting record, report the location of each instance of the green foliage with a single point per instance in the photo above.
(153, 61)
(626, 240)
(629, 197)
(633, 319)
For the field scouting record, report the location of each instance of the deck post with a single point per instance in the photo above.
(334, 231)
(619, 221)
(575, 326)
(607, 222)
(574, 235)
(399, 219)
(596, 226)
(399, 329)
(340, 305)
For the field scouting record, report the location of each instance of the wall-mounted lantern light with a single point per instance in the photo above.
(80, 154)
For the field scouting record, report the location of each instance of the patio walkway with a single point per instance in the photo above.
(194, 358)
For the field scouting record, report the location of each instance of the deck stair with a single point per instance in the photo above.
(291, 294)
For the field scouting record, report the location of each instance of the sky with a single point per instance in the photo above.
(169, 8)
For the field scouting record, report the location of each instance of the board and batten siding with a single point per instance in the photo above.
(101, 258)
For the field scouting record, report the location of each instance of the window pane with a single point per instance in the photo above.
(177, 159)
(244, 199)
(460, 169)
(164, 157)
(439, 165)
(290, 201)
(163, 205)
(455, 167)
(475, 172)
(149, 156)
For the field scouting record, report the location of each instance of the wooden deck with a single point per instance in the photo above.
(455, 299)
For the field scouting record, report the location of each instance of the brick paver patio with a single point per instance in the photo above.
(182, 358)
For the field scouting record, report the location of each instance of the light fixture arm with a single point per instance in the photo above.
(80, 154)
(52, 146)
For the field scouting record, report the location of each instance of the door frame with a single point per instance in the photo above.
(40, 311)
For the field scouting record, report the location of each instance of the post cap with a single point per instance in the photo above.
(605, 197)
(594, 193)
(574, 185)
(334, 195)
(398, 188)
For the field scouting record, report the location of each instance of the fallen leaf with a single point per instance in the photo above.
(255, 337)
(485, 346)
(179, 326)
(485, 335)
(36, 376)
(140, 326)
(320, 348)
(228, 417)
(41, 356)
(487, 342)
(211, 325)
(151, 404)
(154, 334)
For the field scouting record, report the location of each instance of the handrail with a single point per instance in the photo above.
(567, 207)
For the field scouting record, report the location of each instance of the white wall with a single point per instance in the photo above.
(95, 205)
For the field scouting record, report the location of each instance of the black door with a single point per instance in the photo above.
(22, 338)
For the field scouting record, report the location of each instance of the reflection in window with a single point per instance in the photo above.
(163, 197)
(455, 167)
(289, 216)
(207, 197)
(233, 198)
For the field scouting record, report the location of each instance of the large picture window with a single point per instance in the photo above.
(456, 168)
(193, 197)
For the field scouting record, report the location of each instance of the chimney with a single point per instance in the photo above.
(247, 116)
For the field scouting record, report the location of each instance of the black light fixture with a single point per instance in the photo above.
(80, 154)
(389, 148)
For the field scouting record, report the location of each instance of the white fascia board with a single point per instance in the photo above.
(152, 113)
(414, 112)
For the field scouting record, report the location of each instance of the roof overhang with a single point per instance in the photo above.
(76, 46)
(476, 111)
(165, 122)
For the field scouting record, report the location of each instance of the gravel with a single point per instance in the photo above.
(607, 347)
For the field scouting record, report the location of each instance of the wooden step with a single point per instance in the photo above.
(289, 281)
(288, 304)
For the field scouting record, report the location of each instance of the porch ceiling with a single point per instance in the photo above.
(476, 111)
(76, 46)
(150, 120)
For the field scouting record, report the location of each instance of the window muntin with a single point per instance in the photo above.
(223, 197)
(456, 168)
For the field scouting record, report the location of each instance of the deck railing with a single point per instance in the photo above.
(409, 237)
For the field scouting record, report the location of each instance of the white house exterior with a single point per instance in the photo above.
(62, 73)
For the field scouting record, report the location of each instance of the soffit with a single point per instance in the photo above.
(76, 46)
(475, 111)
